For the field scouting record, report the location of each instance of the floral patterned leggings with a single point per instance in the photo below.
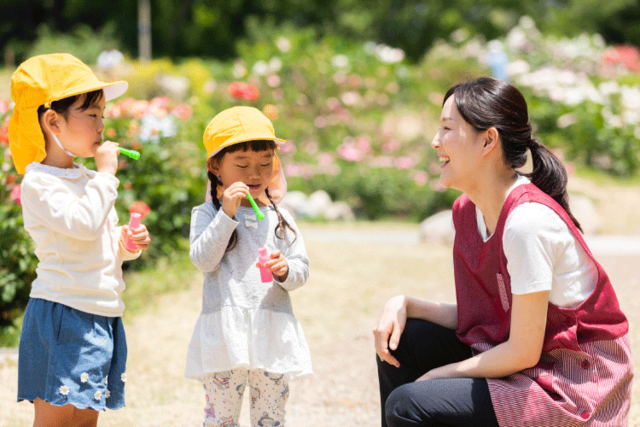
(224, 391)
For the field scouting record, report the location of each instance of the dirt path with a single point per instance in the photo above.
(337, 308)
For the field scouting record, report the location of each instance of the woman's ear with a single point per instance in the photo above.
(492, 137)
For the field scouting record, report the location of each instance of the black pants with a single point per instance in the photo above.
(455, 402)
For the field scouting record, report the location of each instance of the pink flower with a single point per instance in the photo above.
(139, 207)
(325, 159)
(288, 147)
(182, 111)
(421, 178)
(348, 151)
(404, 163)
(273, 80)
(4, 106)
(15, 194)
(391, 145)
(364, 143)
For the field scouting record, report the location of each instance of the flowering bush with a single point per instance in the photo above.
(358, 122)
(584, 96)
(18, 266)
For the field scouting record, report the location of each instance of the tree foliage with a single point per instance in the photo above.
(212, 28)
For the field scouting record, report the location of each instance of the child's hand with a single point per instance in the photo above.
(139, 236)
(232, 197)
(277, 265)
(107, 157)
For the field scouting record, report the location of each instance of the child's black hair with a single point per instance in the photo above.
(61, 106)
(255, 145)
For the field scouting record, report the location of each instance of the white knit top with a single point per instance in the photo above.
(70, 215)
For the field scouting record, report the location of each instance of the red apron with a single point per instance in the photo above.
(585, 372)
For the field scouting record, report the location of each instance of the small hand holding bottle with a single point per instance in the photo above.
(135, 236)
(277, 264)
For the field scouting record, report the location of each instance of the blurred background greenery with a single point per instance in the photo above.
(355, 86)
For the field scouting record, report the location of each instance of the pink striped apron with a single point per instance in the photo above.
(585, 372)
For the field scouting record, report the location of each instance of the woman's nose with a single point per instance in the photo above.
(435, 142)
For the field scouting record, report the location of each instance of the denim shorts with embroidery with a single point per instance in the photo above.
(67, 356)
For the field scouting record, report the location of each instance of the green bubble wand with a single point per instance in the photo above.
(131, 153)
(259, 213)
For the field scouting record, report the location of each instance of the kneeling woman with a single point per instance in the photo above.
(537, 337)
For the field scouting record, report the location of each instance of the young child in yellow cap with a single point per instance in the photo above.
(247, 334)
(72, 356)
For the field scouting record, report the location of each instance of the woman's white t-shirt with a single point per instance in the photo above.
(543, 254)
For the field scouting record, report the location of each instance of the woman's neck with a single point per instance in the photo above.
(489, 196)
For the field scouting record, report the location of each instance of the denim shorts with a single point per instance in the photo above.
(67, 356)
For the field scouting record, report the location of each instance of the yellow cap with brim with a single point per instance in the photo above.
(40, 81)
(240, 124)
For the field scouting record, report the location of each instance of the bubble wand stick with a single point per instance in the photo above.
(259, 213)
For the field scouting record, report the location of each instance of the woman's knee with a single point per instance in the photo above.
(399, 408)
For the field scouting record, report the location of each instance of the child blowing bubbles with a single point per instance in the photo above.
(246, 333)
(72, 347)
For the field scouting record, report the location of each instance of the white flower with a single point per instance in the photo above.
(98, 395)
(260, 68)
(275, 64)
(283, 44)
(84, 377)
(340, 61)
(107, 394)
(123, 377)
(64, 390)
(106, 379)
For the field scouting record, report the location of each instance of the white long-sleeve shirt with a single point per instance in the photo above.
(70, 215)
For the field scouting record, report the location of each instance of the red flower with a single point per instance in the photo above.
(629, 56)
(240, 90)
(139, 207)
(15, 194)
(4, 132)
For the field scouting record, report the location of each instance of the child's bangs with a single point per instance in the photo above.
(254, 145)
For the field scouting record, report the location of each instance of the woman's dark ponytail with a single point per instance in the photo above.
(489, 102)
(550, 176)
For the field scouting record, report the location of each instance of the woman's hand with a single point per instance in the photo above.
(277, 265)
(389, 328)
(232, 197)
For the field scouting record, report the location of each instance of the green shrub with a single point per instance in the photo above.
(18, 265)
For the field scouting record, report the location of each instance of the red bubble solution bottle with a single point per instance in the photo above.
(134, 222)
(265, 273)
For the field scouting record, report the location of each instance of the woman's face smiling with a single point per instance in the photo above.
(459, 146)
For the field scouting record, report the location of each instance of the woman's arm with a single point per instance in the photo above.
(391, 324)
(521, 351)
